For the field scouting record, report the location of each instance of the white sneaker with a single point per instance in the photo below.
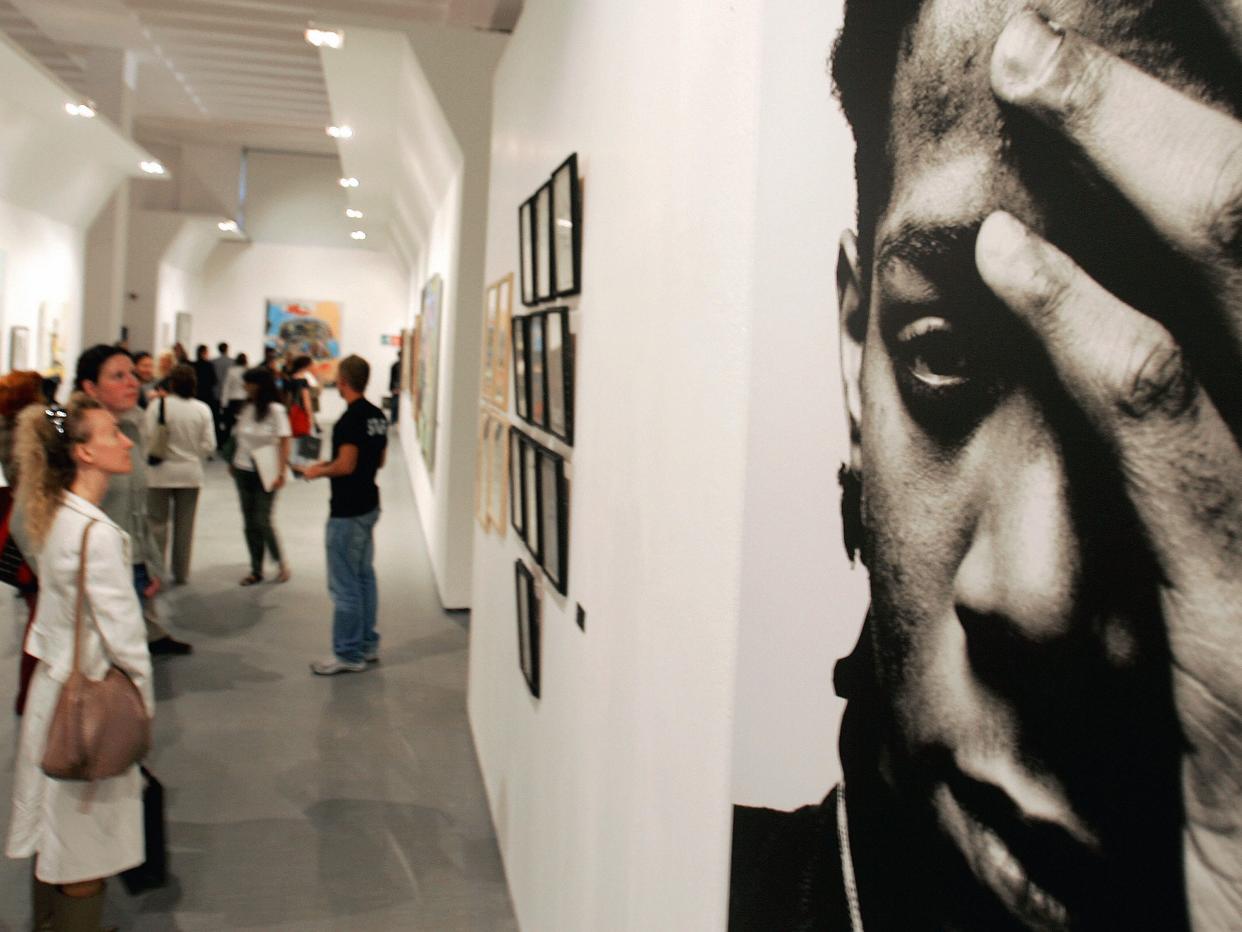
(334, 665)
(371, 656)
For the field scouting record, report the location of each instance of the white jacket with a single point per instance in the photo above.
(112, 603)
(191, 436)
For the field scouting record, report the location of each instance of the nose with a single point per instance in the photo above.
(1019, 577)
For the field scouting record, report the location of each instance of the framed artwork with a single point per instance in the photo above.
(498, 475)
(517, 487)
(554, 518)
(500, 356)
(544, 260)
(482, 467)
(538, 390)
(19, 348)
(428, 368)
(491, 310)
(184, 328)
(567, 228)
(526, 249)
(528, 623)
(521, 389)
(558, 373)
(530, 499)
(297, 328)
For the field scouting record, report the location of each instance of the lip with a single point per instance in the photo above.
(1036, 867)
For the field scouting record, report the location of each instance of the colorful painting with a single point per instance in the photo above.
(428, 369)
(306, 328)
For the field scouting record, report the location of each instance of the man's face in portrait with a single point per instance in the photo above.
(1021, 643)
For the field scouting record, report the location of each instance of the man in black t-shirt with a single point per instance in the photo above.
(359, 448)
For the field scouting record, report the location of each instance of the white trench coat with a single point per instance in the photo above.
(80, 831)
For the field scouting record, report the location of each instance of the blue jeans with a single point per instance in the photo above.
(351, 583)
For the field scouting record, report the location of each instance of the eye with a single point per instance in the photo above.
(934, 353)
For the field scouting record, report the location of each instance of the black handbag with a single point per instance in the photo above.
(153, 872)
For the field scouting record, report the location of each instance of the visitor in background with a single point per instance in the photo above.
(301, 405)
(232, 396)
(173, 484)
(222, 364)
(262, 431)
(78, 832)
(359, 448)
(18, 390)
(144, 368)
(208, 388)
(106, 374)
(179, 355)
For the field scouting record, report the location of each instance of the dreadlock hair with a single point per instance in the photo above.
(44, 452)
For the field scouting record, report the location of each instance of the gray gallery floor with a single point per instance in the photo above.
(297, 802)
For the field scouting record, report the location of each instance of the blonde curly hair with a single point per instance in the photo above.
(44, 452)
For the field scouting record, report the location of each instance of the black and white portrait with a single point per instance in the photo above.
(1041, 352)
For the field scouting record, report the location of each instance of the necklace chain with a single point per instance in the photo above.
(847, 861)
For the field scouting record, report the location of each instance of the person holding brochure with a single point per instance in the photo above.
(359, 449)
(258, 465)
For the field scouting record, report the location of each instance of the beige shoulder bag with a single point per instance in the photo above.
(99, 729)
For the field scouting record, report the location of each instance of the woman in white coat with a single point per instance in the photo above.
(79, 833)
(173, 483)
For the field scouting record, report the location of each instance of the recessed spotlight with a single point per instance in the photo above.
(152, 167)
(357, 234)
(332, 38)
(348, 182)
(228, 226)
(353, 214)
(340, 132)
(79, 110)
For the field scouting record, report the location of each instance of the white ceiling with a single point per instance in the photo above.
(224, 71)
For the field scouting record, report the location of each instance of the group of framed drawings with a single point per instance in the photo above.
(543, 371)
(550, 237)
(550, 267)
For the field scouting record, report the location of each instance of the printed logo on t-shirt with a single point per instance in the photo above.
(377, 427)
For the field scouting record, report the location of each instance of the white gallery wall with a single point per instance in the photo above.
(41, 268)
(611, 794)
(229, 299)
(704, 509)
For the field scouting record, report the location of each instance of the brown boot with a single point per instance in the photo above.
(78, 913)
(43, 905)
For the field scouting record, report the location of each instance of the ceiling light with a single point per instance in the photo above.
(332, 38)
(340, 132)
(353, 214)
(152, 167)
(357, 234)
(348, 182)
(228, 226)
(79, 110)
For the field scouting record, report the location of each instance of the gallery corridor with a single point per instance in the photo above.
(297, 802)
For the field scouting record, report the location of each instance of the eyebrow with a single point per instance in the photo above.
(932, 247)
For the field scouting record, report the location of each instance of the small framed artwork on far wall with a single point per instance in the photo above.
(526, 249)
(545, 270)
(19, 348)
(567, 228)
(528, 624)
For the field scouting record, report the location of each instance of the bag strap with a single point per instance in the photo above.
(81, 599)
(162, 400)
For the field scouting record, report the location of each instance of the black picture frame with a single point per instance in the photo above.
(521, 366)
(567, 229)
(536, 368)
(531, 505)
(527, 244)
(553, 518)
(558, 374)
(528, 624)
(517, 485)
(545, 269)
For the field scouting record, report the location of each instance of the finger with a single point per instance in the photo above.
(1176, 159)
(1128, 375)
